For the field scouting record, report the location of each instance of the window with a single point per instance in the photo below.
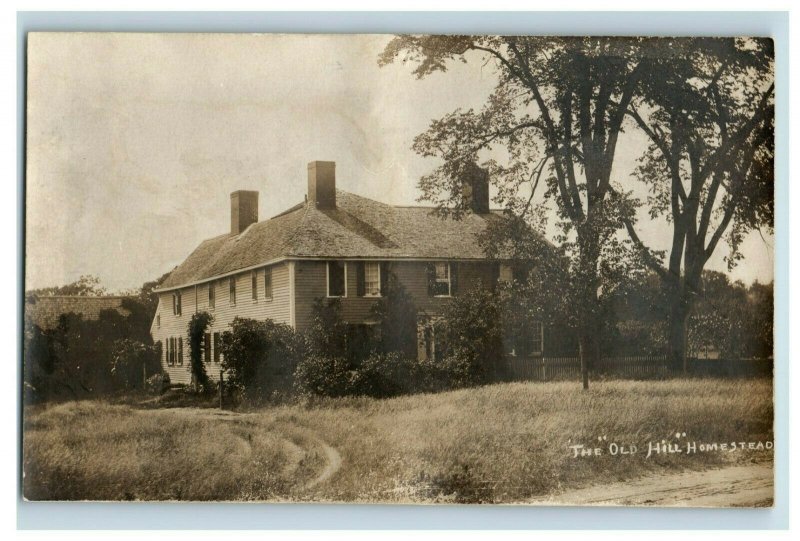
(372, 279)
(254, 284)
(176, 303)
(268, 283)
(506, 273)
(537, 338)
(180, 351)
(158, 320)
(232, 286)
(212, 295)
(168, 351)
(216, 347)
(207, 347)
(441, 279)
(337, 279)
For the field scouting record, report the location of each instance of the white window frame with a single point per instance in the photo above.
(449, 280)
(377, 266)
(328, 280)
(212, 296)
(176, 303)
(232, 291)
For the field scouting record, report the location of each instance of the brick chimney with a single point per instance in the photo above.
(244, 210)
(475, 186)
(322, 184)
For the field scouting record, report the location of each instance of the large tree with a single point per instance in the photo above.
(556, 113)
(708, 112)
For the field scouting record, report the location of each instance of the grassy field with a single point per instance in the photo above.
(501, 443)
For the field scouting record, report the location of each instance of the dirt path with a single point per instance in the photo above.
(333, 460)
(733, 486)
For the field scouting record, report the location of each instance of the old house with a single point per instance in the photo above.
(335, 244)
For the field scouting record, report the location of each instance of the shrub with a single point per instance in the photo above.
(132, 361)
(320, 375)
(259, 357)
(383, 375)
(157, 383)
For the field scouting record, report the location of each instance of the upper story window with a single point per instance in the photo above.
(232, 289)
(254, 284)
(441, 279)
(158, 320)
(176, 303)
(372, 279)
(337, 279)
(268, 283)
(212, 295)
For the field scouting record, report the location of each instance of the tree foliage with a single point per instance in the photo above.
(196, 330)
(556, 114)
(709, 115)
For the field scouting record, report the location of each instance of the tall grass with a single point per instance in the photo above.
(499, 443)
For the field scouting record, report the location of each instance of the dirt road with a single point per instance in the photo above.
(733, 486)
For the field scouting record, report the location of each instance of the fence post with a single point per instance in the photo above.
(544, 369)
(221, 388)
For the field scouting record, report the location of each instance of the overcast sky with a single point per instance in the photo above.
(135, 142)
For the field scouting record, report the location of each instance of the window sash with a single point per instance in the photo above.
(232, 290)
(337, 279)
(372, 279)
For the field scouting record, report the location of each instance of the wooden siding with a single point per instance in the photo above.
(195, 298)
(311, 283)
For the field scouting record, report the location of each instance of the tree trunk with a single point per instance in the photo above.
(676, 337)
(587, 352)
(589, 327)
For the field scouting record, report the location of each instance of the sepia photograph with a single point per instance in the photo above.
(399, 269)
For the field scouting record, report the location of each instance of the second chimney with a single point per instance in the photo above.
(475, 186)
(322, 184)
(244, 210)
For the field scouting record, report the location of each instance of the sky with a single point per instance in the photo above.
(135, 142)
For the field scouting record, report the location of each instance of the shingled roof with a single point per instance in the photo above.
(357, 228)
(45, 311)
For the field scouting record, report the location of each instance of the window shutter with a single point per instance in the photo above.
(360, 288)
(180, 350)
(174, 305)
(430, 268)
(207, 347)
(453, 278)
(384, 278)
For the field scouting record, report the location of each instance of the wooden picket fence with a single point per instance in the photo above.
(561, 368)
(569, 368)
